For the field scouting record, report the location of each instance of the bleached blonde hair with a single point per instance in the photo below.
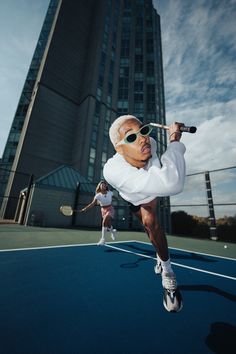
(114, 133)
(98, 188)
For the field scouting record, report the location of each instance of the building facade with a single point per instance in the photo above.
(95, 60)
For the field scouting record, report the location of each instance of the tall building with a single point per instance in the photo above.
(95, 60)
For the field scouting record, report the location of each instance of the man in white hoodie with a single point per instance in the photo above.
(137, 174)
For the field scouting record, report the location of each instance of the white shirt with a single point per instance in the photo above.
(104, 199)
(141, 185)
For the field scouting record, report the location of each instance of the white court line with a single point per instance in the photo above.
(45, 247)
(56, 246)
(181, 249)
(123, 250)
(177, 264)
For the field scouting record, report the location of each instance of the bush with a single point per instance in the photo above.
(194, 226)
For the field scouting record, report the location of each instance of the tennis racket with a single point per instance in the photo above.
(182, 128)
(67, 210)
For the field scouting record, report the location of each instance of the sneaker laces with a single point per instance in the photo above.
(169, 281)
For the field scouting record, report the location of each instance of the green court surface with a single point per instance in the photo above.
(14, 236)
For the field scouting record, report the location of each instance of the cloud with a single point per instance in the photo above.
(199, 50)
(212, 146)
(198, 40)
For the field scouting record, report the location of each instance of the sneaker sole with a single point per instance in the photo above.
(173, 311)
(178, 299)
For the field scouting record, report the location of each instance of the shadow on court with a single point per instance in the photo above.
(174, 255)
(210, 289)
(221, 339)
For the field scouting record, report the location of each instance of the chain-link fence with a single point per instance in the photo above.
(210, 197)
(11, 203)
(205, 208)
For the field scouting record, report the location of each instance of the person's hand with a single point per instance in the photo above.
(83, 210)
(174, 132)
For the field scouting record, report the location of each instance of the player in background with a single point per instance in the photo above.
(103, 197)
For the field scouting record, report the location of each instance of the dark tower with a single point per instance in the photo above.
(95, 60)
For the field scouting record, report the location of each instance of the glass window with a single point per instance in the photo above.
(14, 137)
(99, 93)
(122, 104)
(92, 155)
(138, 97)
(151, 106)
(123, 82)
(138, 86)
(104, 156)
(150, 68)
(90, 172)
(149, 45)
(138, 106)
(138, 76)
(108, 100)
(150, 80)
(124, 62)
(123, 93)
(151, 117)
(126, 72)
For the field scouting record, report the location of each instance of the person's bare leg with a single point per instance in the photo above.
(172, 299)
(106, 222)
(147, 216)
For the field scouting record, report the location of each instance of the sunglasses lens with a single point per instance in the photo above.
(131, 138)
(146, 130)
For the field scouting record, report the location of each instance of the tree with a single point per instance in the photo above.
(196, 226)
(182, 223)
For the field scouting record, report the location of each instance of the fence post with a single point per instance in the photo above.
(213, 234)
(31, 181)
(75, 204)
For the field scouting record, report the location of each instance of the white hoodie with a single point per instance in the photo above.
(141, 185)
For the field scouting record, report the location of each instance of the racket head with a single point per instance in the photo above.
(66, 210)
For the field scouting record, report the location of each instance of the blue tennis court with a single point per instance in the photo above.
(87, 299)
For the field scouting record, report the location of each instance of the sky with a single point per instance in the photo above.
(199, 51)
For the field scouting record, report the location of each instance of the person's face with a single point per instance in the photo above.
(103, 187)
(138, 152)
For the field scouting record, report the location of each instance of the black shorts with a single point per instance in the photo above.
(134, 208)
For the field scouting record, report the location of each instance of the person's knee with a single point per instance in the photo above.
(151, 224)
(148, 222)
(107, 221)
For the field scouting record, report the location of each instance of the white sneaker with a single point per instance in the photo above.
(113, 234)
(101, 242)
(172, 299)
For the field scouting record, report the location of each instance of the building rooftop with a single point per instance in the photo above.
(66, 177)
